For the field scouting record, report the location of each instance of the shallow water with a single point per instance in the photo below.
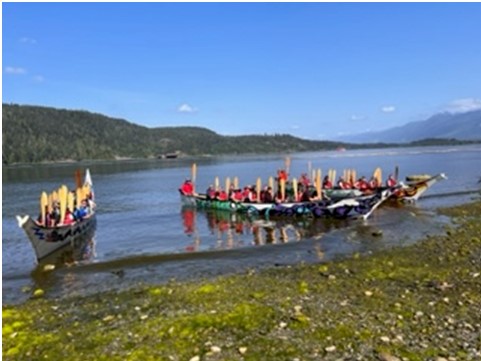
(144, 235)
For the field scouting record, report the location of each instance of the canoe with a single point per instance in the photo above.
(411, 191)
(360, 207)
(62, 242)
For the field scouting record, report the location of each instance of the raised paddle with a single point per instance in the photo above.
(50, 203)
(294, 188)
(227, 185)
(62, 195)
(258, 189)
(70, 201)
(379, 176)
(194, 175)
(319, 183)
(43, 207)
(78, 178)
(236, 182)
(396, 172)
(194, 172)
(79, 197)
(271, 182)
(216, 183)
(288, 164)
(283, 189)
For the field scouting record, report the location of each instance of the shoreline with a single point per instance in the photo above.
(418, 302)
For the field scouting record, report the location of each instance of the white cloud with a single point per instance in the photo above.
(464, 105)
(186, 108)
(295, 127)
(388, 109)
(357, 117)
(28, 40)
(13, 70)
(38, 78)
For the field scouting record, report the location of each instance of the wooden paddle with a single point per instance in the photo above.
(78, 178)
(258, 189)
(79, 197)
(50, 203)
(333, 179)
(70, 201)
(216, 183)
(353, 175)
(288, 164)
(236, 182)
(227, 185)
(63, 193)
(43, 207)
(271, 182)
(194, 172)
(377, 175)
(283, 189)
(319, 183)
(294, 188)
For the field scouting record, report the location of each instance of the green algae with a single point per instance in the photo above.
(420, 302)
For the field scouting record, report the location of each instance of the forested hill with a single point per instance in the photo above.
(36, 134)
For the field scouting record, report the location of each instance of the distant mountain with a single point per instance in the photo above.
(461, 126)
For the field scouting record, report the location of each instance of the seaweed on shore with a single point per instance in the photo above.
(421, 302)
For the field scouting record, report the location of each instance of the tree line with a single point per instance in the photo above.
(33, 134)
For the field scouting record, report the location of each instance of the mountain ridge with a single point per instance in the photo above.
(445, 125)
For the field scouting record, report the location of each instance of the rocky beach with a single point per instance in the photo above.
(420, 302)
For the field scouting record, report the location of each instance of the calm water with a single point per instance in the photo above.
(143, 234)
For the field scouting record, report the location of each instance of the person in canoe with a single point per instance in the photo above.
(391, 181)
(326, 183)
(343, 184)
(187, 188)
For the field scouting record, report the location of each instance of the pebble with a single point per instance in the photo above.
(330, 348)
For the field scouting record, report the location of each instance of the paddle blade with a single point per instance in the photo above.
(271, 182)
(294, 188)
(318, 183)
(283, 189)
(70, 201)
(79, 197)
(227, 184)
(216, 183)
(63, 193)
(43, 206)
(78, 178)
(194, 172)
(258, 189)
(236, 182)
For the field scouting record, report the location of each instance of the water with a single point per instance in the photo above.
(144, 236)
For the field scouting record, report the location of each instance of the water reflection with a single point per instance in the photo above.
(234, 230)
(71, 255)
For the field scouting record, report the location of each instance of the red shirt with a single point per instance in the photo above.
(187, 188)
(391, 182)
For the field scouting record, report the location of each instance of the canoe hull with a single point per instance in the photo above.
(345, 208)
(50, 243)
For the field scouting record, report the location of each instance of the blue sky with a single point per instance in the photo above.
(314, 70)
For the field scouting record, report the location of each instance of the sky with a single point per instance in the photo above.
(313, 70)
